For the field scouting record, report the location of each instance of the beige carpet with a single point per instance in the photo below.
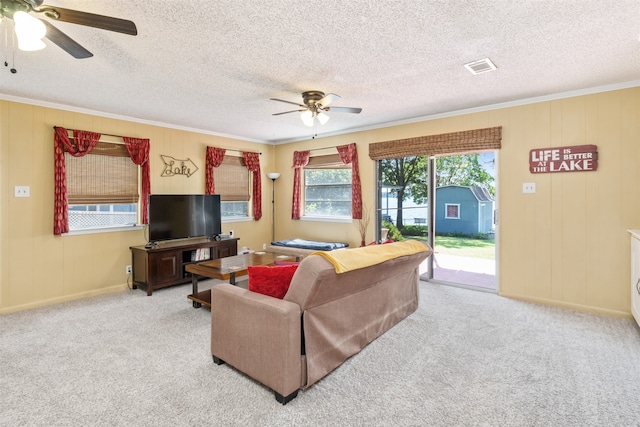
(464, 358)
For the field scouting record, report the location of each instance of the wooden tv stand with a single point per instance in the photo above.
(164, 265)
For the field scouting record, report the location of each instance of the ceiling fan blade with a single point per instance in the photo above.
(288, 102)
(328, 99)
(345, 110)
(65, 42)
(90, 19)
(287, 112)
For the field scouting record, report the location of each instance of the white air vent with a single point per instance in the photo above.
(480, 66)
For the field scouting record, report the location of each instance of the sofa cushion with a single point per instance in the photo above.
(276, 262)
(271, 280)
(355, 259)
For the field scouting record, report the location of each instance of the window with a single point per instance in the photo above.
(234, 209)
(232, 183)
(102, 216)
(327, 187)
(102, 188)
(452, 211)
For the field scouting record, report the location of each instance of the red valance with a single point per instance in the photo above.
(349, 155)
(215, 156)
(300, 160)
(85, 142)
(139, 152)
(252, 162)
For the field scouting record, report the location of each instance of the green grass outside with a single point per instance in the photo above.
(460, 246)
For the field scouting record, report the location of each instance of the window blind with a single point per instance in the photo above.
(104, 176)
(442, 144)
(232, 180)
(329, 161)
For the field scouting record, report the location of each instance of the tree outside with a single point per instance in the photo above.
(407, 177)
(328, 192)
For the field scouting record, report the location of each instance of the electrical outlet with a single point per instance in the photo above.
(528, 187)
(128, 269)
(22, 191)
(264, 246)
(230, 233)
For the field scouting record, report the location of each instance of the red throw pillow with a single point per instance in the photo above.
(385, 242)
(273, 281)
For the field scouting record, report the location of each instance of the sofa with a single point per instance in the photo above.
(337, 303)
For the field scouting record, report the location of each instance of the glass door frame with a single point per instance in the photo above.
(431, 212)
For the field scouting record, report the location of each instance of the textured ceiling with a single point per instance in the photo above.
(212, 66)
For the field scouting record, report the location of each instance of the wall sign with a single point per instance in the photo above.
(173, 167)
(578, 158)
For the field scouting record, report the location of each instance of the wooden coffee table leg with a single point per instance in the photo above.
(194, 284)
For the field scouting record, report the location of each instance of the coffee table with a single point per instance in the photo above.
(228, 268)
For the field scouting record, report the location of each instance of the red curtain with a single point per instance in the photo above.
(349, 155)
(252, 162)
(300, 160)
(84, 143)
(214, 160)
(139, 152)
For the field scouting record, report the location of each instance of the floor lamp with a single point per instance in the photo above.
(273, 176)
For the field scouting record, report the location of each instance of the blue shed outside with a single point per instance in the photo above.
(463, 209)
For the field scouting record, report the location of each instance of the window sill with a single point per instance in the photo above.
(105, 230)
(342, 219)
(237, 219)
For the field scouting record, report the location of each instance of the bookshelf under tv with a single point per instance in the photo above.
(164, 265)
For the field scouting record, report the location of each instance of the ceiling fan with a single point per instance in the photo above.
(315, 105)
(30, 30)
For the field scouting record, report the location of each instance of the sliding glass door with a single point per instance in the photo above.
(448, 202)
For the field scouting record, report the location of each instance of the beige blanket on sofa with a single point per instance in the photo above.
(354, 259)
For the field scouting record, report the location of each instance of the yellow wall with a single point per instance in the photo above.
(39, 269)
(321, 230)
(565, 245)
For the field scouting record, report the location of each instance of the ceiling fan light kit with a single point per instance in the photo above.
(30, 30)
(30, 45)
(322, 118)
(307, 117)
(315, 106)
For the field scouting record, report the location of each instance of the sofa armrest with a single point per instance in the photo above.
(258, 335)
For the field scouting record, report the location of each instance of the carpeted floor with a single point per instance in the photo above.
(464, 358)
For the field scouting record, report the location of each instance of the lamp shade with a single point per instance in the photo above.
(29, 45)
(29, 31)
(273, 175)
(307, 117)
(323, 118)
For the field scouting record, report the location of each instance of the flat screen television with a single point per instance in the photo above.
(180, 216)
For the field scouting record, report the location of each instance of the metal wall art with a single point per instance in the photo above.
(173, 167)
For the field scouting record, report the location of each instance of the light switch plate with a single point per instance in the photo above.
(528, 187)
(22, 191)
